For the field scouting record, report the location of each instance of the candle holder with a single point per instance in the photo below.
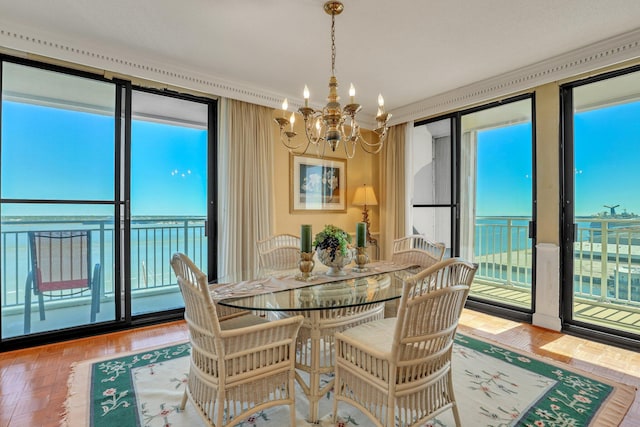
(361, 260)
(306, 265)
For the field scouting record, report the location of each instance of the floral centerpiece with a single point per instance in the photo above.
(333, 246)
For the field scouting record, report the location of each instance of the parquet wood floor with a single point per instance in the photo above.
(33, 382)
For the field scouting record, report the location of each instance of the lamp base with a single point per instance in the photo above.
(365, 219)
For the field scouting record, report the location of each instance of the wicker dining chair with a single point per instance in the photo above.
(418, 250)
(234, 372)
(183, 266)
(278, 254)
(398, 370)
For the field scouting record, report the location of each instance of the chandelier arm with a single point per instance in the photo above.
(355, 129)
(352, 144)
(312, 136)
(371, 148)
(292, 148)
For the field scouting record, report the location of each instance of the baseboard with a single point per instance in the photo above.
(547, 322)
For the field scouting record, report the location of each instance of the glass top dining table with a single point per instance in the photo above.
(374, 287)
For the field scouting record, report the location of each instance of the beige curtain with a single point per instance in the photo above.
(392, 201)
(245, 173)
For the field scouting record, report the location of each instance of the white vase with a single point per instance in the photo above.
(336, 265)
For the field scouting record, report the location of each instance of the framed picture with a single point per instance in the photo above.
(318, 184)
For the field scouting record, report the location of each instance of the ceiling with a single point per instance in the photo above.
(409, 50)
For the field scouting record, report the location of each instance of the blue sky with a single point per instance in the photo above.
(504, 171)
(70, 156)
(607, 159)
(607, 164)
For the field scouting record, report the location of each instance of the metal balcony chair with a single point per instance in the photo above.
(234, 371)
(397, 371)
(60, 267)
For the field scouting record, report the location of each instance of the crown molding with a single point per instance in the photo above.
(24, 42)
(16, 39)
(596, 56)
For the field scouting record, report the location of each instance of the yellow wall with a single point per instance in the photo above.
(547, 163)
(360, 170)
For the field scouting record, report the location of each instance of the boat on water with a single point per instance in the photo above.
(624, 225)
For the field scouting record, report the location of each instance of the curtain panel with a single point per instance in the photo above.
(245, 158)
(392, 184)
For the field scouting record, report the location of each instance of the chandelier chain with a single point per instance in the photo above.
(333, 44)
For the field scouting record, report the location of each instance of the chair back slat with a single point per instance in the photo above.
(199, 312)
(278, 253)
(417, 250)
(430, 308)
(61, 260)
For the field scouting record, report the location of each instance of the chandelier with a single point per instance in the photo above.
(328, 125)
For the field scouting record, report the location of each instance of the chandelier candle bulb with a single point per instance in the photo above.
(352, 94)
(285, 106)
(305, 238)
(305, 94)
(292, 120)
(361, 233)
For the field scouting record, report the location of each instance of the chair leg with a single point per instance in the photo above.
(95, 292)
(454, 408)
(456, 415)
(336, 391)
(184, 401)
(27, 303)
(292, 414)
(41, 305)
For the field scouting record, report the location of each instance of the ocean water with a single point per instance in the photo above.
(494, 235)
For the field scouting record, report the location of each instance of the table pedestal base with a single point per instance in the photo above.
(315, 346)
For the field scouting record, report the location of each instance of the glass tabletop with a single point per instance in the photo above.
(344, 293)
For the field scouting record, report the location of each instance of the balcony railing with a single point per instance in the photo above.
(606, 257)
(607, 260)
(503, 251)
(607, 254)
(153, 242)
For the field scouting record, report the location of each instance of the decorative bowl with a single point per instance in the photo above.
(337, 263)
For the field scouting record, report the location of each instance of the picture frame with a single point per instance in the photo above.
(317, 184)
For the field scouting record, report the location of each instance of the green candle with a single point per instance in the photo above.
(305, 238)
(361, 234)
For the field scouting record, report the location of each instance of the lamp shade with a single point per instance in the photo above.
(365, 196)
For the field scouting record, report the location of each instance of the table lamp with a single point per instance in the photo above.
(365, 196)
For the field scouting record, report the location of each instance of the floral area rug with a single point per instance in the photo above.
(494, 386)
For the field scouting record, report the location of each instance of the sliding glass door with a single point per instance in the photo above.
(100, 185)
(602, 204)
(169, 190)
(496, 202)
(58, 180)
